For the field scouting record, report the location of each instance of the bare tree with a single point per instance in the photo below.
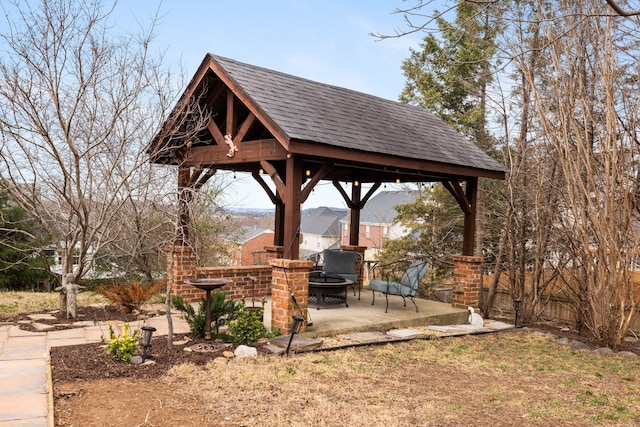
(77, 105)
(588, 112)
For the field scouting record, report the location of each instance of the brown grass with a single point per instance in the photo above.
(29, 302)
(511, 378)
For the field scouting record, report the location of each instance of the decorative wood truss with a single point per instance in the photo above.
(257, 144)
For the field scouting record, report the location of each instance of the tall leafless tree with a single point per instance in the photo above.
(78, 102)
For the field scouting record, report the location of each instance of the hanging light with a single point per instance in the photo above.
(397, 180)
(356, 183)
(261, 171)
(308, 172)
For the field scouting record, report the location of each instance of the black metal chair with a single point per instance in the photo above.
(405, 287)
(343, 263)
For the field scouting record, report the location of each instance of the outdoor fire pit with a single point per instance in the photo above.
(327, 288)
(207, 285)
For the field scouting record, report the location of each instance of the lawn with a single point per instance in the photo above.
(519, 377)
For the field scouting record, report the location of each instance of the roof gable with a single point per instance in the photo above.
(306, 110)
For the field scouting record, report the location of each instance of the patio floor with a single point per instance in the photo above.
(361, 316)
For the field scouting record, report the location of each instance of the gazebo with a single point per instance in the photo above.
(297, 132)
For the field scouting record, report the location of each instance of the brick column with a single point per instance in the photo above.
(181, 262)
(289, 276)
(273, 252)
(467, 275)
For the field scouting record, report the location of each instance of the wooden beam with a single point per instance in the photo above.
(249, 152)
(231, 116)
(275, 177)
(273, 197)
(215, 132)
(382, 161)
(248, 102)
(372, 190)
(354, 231)
(214, 95)
(317, 177)
(278, 238)
(344, 194)
(203, 178)
(292, 197)
(468, 244)
(457, 192)
(244, 128)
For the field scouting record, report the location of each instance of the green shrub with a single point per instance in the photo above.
(248, 328)
(124, 346)
(223, 312)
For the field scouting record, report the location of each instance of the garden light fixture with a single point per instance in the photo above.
(147, 332)
(297, 321)
(517, 305)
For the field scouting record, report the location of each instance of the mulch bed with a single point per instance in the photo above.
(91, 361)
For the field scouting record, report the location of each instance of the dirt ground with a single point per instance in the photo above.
(510, 378)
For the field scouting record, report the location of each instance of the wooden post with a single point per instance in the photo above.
(468, 245)
(354, 226)
(292, 201)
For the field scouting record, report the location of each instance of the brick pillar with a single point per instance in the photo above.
(181, 262)
(274, 252)
(467, 275)
(289, 276)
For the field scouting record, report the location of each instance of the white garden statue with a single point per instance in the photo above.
(474, 318)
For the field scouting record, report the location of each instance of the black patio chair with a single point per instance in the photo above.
(392, 284)
(343, 263)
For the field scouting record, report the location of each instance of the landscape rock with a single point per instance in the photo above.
(577, 345)
(40, 316)
(629, 354)
(42, 327)
(228, 354)
(604, 350)
(562, 340)
(404, 333)
(245, 351)
(136, 360)
(298, 344)
(220, 360)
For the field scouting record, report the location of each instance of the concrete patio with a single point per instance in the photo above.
(361, 316)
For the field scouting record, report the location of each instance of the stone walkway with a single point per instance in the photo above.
(26, 393)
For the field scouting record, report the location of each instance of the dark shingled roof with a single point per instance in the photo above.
(325, 114)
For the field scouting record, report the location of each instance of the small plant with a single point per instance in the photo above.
(122, 347)
(223, 312)
(130, 296)
(248, 328)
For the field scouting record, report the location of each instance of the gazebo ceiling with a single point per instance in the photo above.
(347, 135)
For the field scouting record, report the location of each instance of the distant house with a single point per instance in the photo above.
(251, 243)
(377, 221)
(91, 270)
(320, 230)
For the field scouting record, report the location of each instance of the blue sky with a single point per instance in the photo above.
(328, 41)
